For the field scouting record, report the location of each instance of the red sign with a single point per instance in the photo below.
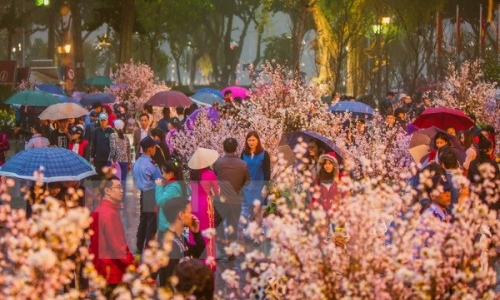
(8, 71)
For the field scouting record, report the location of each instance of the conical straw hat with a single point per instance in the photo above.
(202, 158)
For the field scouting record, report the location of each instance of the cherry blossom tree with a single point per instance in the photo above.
(135, 84)
(464, 88)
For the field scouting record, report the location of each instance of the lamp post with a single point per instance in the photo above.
(385, 23)
(381, 28)
(67, 71)
(377, 30)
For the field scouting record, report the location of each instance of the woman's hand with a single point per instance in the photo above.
(264, 192)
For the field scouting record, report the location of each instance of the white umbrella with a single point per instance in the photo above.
(62, 111)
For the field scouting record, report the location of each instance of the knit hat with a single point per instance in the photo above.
(202, 158)
(332, 157)
(119, 124)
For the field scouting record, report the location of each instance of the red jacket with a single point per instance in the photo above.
(82, 150)
(111, 253)
(327, 197)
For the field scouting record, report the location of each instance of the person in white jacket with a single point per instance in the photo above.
(37, 140)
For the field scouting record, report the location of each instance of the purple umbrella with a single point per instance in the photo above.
(78, 95)
(237, 91)
(212, 115)
(170, 99)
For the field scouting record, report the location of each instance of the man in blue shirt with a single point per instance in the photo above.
(145, 173)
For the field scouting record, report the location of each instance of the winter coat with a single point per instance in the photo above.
(108, 244)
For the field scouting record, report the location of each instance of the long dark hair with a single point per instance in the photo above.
(120, 134)
(195, 175)
(468, 139)
(444, 137)
(175, 167)
(159, 133)
(258, 149)
(324, 176)
(317, 154)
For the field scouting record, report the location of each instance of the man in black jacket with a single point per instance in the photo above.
(178, 213)
(99, 154)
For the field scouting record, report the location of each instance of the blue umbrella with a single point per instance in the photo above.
(357, 109)
(210, 91)
(212, 115)
(206, 98)
(59, 165)
(66, 99)
(50, 88)
(89, 99)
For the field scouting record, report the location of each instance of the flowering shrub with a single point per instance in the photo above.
(135, 85)
(7, 119)
(465, 89)
(359, 260)
(39, 255)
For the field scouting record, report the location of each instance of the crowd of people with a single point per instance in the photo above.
(220, 189)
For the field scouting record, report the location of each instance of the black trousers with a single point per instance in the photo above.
(230, 212)
(147, 220)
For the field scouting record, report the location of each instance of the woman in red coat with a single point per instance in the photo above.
(327, 182)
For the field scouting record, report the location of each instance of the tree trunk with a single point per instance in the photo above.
(192, 70)
(227, 51)
(298, 25)
(325, 45)
(126, 30)
(258, 56)
(51, 31)
(178, 70)
(76, 28)
(152, 47)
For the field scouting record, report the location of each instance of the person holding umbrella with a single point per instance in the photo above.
(441, 139)
(60, 137)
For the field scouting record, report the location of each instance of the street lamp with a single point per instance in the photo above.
(386, 21)
(64, 51)
(379, 29)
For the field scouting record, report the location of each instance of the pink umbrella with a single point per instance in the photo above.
(237, 91)
(442, 117)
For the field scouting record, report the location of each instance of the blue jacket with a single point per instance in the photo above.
(162, 195)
